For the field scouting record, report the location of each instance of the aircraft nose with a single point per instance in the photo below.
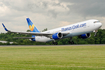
(100, 24)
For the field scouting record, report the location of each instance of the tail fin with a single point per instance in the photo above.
(31, 26)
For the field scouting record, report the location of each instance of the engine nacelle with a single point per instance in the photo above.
(33, 38)
(84, 36)
(57, 36)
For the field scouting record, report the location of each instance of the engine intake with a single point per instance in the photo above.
(57, 36)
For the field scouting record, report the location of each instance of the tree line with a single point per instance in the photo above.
(99, 39)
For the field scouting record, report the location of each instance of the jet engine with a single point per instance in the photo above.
(84, 36)
(57, 36)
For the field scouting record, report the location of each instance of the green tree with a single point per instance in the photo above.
(44, 30)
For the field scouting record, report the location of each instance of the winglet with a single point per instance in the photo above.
(5, 27)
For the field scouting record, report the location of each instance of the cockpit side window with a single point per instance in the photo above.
(96, 21)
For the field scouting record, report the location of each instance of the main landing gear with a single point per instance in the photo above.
(54, 43)
(71, 41)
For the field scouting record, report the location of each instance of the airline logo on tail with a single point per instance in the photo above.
(31, 27)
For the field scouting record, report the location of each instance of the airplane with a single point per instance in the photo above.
(82, 30)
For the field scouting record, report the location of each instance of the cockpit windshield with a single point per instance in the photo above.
(96, 21)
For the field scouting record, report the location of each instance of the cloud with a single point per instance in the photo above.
(64, 23)
(49, 13)
(53, 7)
(87, 8)
(44, 13)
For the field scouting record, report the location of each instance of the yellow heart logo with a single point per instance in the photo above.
(31, 27)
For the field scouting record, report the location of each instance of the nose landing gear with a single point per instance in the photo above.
(71, 41)
(95, 32)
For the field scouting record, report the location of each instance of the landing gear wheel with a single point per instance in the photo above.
(55, 43)
(71, 42)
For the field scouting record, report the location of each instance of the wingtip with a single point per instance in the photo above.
(4, 27)
(3, 24)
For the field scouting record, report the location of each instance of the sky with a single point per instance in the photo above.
(49, 14)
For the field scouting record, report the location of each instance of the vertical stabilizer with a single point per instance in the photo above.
(31, 26)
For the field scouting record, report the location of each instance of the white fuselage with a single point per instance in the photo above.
(72, 30)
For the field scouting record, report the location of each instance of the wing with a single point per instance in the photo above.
(33, 33)
(24, 37)
(28, 33)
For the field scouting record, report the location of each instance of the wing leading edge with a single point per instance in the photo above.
(29, 33)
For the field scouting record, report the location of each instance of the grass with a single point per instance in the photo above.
(52, 58)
